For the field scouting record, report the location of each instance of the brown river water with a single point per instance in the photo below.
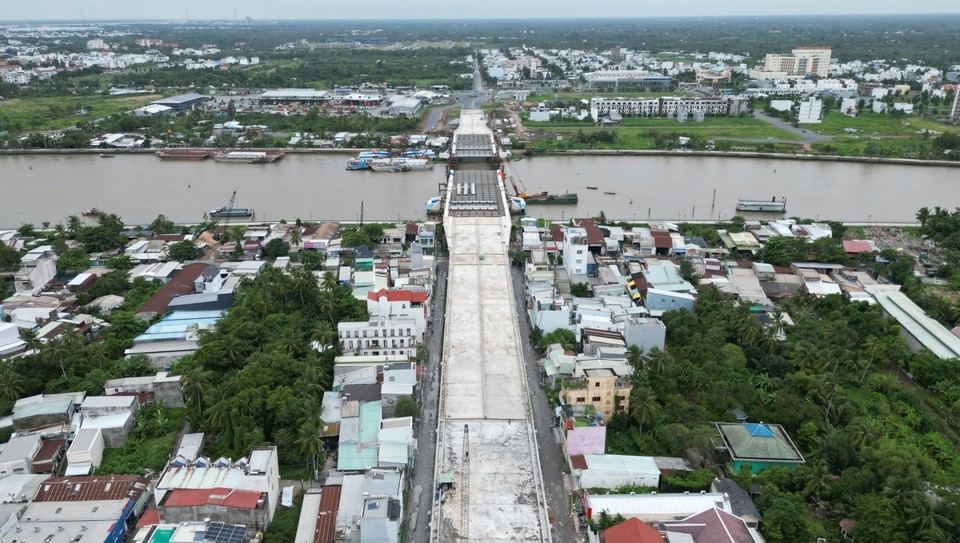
(37, 188)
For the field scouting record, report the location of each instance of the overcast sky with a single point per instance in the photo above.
(449, 9)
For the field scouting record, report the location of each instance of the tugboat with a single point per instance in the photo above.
(106, 155)
(92, 212)
(357, 164)
(545, 198)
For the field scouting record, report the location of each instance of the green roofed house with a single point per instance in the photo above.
(761, 446)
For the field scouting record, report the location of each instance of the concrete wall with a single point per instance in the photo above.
(254, 519)
(591, 478)
(666, 302)
(645, 334)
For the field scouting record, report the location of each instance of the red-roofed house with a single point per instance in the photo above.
(401, 303)
(181, 285)
(632, 530)
(227, 505)
(856, 246)
(594, 234)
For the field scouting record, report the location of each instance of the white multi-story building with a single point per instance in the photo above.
(402, 303)
(666, 107)
(379, 337)
(802, 61)
(575, 251)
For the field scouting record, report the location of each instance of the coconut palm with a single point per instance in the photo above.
(11, 385)
(656, 359)
(295, 237)
(310, 443)
(635, 358)
(804, 356)
(923, 215)
(303, 281)
(873, 349)
(928, 524)
(196, 383)
(643, 407)
(74, 224)
(58, 350)
(329, 282)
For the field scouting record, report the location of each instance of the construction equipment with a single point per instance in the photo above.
(221, 217)
(465, 486)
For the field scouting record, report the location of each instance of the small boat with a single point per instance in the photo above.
(105, 155)
(762, 206)
(610, 193)
(420, 153)
(92, 212)
(591, 188)
(357, 164)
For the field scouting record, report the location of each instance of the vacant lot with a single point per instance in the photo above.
(28, 114)
(869, 123)
(745, 128)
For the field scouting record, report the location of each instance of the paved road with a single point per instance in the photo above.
(467, 100)
(808, 137)
(421, 485)
(552, 461)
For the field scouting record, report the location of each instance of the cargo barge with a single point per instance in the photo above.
(185, 154)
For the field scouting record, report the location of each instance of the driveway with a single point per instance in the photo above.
(808, 137)
(421, 484)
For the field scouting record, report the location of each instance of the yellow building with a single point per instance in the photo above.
(601, 388)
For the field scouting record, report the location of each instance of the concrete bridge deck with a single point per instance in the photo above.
(483, 382)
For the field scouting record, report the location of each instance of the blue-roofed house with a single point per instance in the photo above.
(175, 336)
(758, 445)
(359, 435)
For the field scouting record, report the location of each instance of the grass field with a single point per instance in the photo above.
(869, 123)
(746, 128)
(879, 147)
(26, 114)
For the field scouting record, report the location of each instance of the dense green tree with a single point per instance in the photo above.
(406, 407)
(276, 247)
(182, 251)
(311, 260)
(9, 258)
(581, 290)
(74, 260)
(162, 225)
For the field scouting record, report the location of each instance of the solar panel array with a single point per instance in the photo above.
(218, 532)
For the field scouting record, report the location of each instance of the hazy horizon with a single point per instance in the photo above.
(99, 10)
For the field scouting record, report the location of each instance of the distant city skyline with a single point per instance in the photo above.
(437, 9)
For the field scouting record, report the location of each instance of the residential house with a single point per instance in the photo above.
(632, 530)
(654, 507)
(162, 387)
(741, 504)
(603, 389)
(380, 336)
(760, 446)
(615, 471)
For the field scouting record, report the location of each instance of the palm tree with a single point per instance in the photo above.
(11, 385)
(860, 432)
(324, 333)
(310, 443)
(302, 282)
(74, 224)
(923, 214)
(59, 230)
(58, 350)
(295, 237)
(655, 359)
(643, 407)
(748, 331)
(635, 358)
(32, 341)
(310, 383)
(818, 476)
(873, 348)
(329, 282)
(926, 521)
(218, 416)
(804, 356)
(97, 352)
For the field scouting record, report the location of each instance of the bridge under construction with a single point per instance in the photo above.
(487, 476)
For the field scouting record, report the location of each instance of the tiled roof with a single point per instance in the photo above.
(327, 516)
(763, 442)
(577, 460)
(712, 526)
(398, 295)
(632, 531)
(224, 497)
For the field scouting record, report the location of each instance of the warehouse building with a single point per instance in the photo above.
(283, 97)
(183, 102)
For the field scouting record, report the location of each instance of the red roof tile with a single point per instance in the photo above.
(224, 497)
(594, 234)
(712, 526)
(398, 296)
(856, 247)
(557, 232)
(632, 531)
(325, 531)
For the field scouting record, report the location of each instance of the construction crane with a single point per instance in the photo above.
(513, 182)
(225, 212)
(465, 486)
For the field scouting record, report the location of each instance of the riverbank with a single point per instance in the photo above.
(741, 154)
(552, 152)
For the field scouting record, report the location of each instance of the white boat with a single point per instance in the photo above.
(399, 164)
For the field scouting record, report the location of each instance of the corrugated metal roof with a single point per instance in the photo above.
(930, 333)
(94, 488)
(223, 497)
(622, 463)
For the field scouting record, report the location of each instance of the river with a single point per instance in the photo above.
(37, 188)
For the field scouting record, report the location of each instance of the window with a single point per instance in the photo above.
(581, 399)
(595, 399)
(596, 385)
(579, 251)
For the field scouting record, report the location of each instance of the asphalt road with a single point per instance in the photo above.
(808, 137)
(552, 461)
(421, 484)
